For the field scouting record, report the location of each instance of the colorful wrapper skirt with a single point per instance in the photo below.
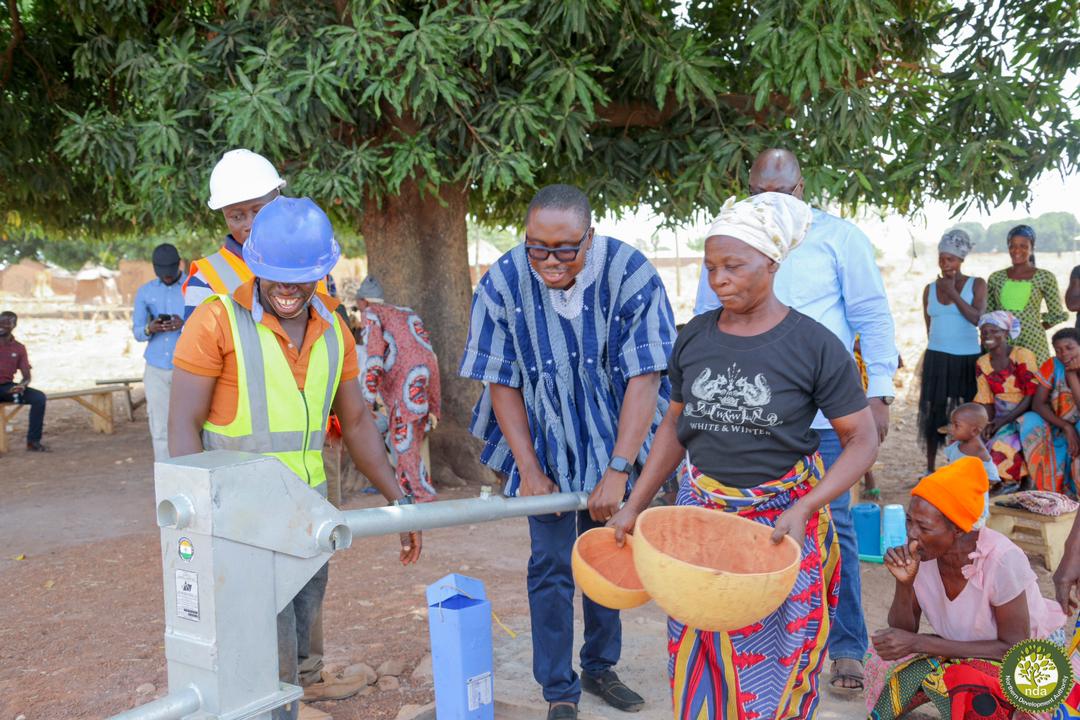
(958, 688)
(1070, 708)
(963, 689)
(1046, 453)
(768, 670)
(1007, 445)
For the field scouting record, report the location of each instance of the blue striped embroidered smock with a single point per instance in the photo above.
(572, 373)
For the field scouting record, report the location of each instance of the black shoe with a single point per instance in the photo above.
(36, 447)
(562, 711)
(609, 688)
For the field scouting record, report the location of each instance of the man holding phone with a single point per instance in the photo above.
(13, 357)
(156, 320)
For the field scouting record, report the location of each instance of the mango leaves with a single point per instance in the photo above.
(113, 113)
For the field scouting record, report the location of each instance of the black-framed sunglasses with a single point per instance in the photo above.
(562, 254)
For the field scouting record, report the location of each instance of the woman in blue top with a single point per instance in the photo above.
(952, 305)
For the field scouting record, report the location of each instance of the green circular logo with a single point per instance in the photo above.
(1035, 675)
(186, 549)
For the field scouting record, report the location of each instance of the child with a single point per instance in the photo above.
(1066, 348)
(966, 425)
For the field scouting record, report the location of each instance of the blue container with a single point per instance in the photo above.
(867, 519)
(893, 527)
(459, 618)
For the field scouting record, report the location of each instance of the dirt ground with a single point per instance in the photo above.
(81, 621)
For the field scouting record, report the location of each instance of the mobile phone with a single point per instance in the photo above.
(164, 317)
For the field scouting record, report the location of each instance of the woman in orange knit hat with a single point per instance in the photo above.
(978, 593)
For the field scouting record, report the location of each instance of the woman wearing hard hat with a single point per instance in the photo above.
(241, 184)
(261, 369)
(746, 383)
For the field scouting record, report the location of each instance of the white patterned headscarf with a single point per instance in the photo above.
(1003, 320)
(956, 242)
(772, 223)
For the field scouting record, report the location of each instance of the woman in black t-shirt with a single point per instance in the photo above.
(747, 381)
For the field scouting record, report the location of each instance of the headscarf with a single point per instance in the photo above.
(370, 290)
(957, 490)
(771, 223)
(956, 242)
(1025, 231)
(1002, 319)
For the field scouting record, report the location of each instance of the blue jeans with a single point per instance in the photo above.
(551, 610)
(847, 636)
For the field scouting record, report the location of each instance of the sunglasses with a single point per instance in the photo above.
(562, 254)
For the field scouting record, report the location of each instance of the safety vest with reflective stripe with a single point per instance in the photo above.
(273, 416)
(224, 272)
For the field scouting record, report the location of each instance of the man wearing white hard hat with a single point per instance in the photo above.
(241, 183)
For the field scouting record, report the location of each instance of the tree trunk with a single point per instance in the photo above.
(417, 246)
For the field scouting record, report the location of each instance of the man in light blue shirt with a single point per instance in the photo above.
(833, 278)
(156, 320)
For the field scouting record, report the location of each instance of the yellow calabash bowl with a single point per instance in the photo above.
(713, 570)
(605, 572)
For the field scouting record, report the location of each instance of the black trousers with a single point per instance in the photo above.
(36, 400)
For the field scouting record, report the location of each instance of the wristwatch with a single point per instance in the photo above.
(620, 465)
(887, 399)
(406, 499)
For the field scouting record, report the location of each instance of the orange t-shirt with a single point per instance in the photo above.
(206, 348)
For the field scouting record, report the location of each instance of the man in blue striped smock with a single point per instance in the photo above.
(570, 332)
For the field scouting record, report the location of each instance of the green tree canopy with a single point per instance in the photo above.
(404, 117)
(1054, 232)
(114, 112)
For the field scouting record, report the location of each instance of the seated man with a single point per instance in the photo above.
(13, 357)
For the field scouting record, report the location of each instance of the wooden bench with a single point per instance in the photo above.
(98, 400)
(132, 405)
(1041, 535)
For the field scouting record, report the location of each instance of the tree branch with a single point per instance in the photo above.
(17, 36)
(341, 7)
(635, 114)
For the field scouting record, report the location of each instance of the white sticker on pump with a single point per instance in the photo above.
(479, 691)
(187, 595)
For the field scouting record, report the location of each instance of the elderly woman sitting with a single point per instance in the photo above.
(976, 589)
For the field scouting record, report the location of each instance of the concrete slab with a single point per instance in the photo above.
(643, 667)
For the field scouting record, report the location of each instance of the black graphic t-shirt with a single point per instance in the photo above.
(749, 401)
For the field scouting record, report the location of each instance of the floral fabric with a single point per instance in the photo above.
(401, 373)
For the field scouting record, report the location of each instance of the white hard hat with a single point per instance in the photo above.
(241, 175)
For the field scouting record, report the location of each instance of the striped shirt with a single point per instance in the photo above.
(197, 289)
(572, 373)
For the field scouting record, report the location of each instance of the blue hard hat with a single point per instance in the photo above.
(291, 241)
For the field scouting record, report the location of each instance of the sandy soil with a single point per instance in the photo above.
(80, 579)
